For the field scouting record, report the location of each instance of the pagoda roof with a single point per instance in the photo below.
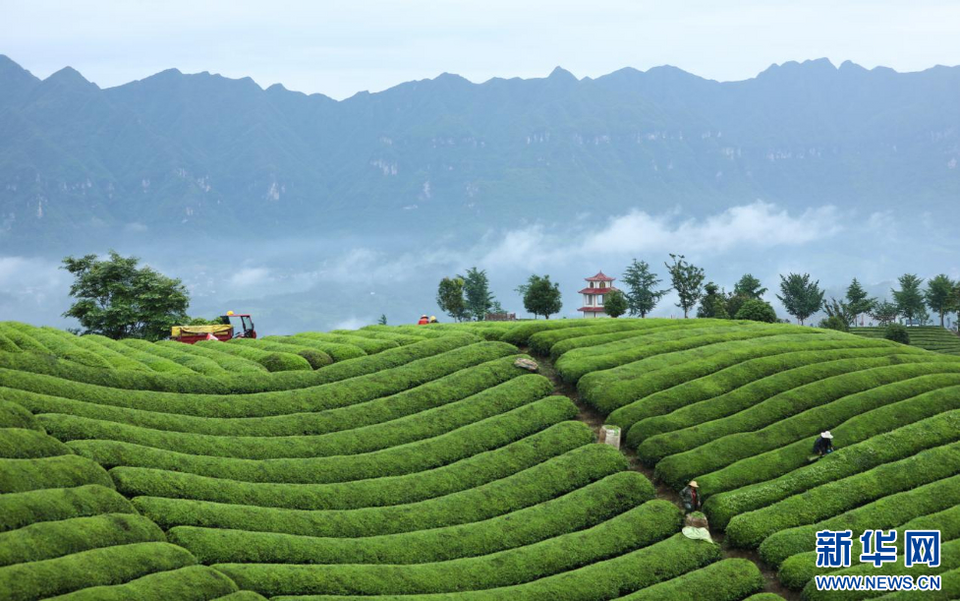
(597, 290)
(600, 277)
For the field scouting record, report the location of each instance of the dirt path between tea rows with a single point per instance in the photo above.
(594, 419)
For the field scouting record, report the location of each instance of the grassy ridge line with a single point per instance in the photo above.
(554, 477)
(48, 540)
(886, 512)
(436, 393)
(166, 359)
(273, 361)
(7, 345)
(574, 365)
(485, 435)
(23, 341)
(467, 473)
(630, 383)
(949, 560)
(576, 510)
(692, 402)
(61, 471)
(799, 569)
(315, 357)
(22, 509)
(111, 565)
(30, 367)
(233, 363)
(635, 529)
(60, 343)
(599, 581)
(337, 351)
(520, 333)
(371, 346)
(871, 439)
(23, 443)
(315, 398)
(401, 339)
(749, 529)
(426, 424)
(94, 344)
(543, 342)
(586, 339)
(148, 361)
(789, 416)
(192, 583)
(725, 580)
(13, 415)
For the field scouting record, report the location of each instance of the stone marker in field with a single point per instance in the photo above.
(527, 364)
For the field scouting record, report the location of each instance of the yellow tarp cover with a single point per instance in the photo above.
(176, 331)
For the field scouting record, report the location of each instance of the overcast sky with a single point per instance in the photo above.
(341, 47)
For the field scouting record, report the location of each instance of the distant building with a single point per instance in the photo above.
(597, 287)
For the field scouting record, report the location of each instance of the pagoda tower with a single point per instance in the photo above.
(597, 287)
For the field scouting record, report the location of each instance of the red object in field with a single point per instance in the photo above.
(222, 331)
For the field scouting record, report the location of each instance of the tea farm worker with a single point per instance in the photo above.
(433, 319)
(423, 320)
(824, 444)
(690, 495)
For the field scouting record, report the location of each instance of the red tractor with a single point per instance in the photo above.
(222, 331)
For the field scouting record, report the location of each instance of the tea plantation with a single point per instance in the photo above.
(419, 462)
(931, 338)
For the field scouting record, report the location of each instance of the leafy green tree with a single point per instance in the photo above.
(450, 298)
(835, 322)
(858, 301)
(755, 309)
(885, 312)
(909, 298)
(642, 292)
(800, 297)
(118, 299)
(541, 296)
(897, 333)
(749, 287)
(476, 289)
(687, 280)
(941, 295)
(713, 304)
(615, 303)
(840, 311)
(383, 319)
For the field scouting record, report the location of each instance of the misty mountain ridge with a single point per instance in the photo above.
(221, 158)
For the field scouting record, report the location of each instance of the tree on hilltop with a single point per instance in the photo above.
(687, 280)
(615, 303)
(642, 288)
(800, 297)
(858, 301)
(909, 299)
(478, 299)
(541, 296)
(450, 298)
(941, 295)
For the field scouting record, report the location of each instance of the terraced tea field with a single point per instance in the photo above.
(419, 462)
(931, 338)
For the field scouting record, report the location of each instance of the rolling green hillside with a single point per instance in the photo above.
(421, 461)
(931, 338)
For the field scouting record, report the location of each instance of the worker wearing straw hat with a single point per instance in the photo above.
(824, 444)
(690, 495)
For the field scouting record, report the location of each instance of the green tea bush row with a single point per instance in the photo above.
(749, 529)
(17, 333)
(27, 370)
(797, 570)
(595, 582)
(950, 583)
(582, 508)
(425, 424)
(522, 332)
(446, 389)
(867, 449)
(337, 350)
(949, 561)
(117, 360)
(232, 362)
(111, 565)
(726, 580)
(370, 346)
(134, 350)
(162, 358)
(552, 478)
(629, 383)
(22, 509)
(315, 357)
(63, 346)
(273, 361)
(708, 447)
(394, 490)
(47, 540)
(192, 583)
(62, 471)
(886, 512)
(635, 529)
(7, 345)
(314, 398)
(417, 456)
(576, 364)
(14, 415)
(543, 342)
(22, 443)
(590, 340)
(693, 402)
(366, 332)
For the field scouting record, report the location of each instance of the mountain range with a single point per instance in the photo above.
(208, 156)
